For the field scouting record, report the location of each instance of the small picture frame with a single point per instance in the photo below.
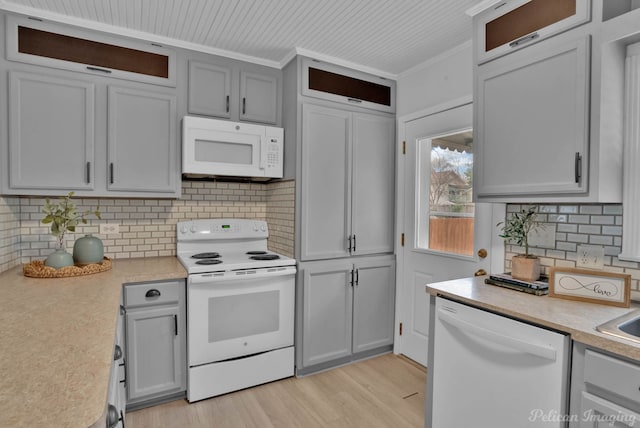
(606, 288)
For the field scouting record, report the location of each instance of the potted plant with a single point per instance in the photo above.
(516, 229)
(63, 218)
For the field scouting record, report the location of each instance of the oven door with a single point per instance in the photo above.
(233, 314)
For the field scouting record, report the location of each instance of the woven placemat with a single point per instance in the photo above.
(37, 269)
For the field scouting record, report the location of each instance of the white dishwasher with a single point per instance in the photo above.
(492, 371)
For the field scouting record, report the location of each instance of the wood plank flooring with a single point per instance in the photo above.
(386, 391)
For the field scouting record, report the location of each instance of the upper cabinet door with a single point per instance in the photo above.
(51, 132)
(209, 89)
(258, 98)
(326, 182)
(142, 148)
(532, 118)
(373, 184)
(513, 24)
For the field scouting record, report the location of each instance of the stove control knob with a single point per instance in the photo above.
(255, 227)
(194, 229)
(263, 228)
(183, 229)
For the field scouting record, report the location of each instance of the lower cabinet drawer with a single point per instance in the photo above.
(613, 375)
(152, 293)
(598, 412)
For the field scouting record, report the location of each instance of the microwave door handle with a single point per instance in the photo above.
(263, 152)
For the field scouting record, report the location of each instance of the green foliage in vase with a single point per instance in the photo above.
(518, 227)
(63, 217)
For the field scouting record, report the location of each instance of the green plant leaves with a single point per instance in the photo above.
(63, 215)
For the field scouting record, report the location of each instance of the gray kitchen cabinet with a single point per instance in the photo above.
(233, 90)
(347, 179)
(373, 304)
(258, 95)
(87, 136)
(142, 146)
(209, 89)
(51, 132)
(155, 342)
(346, 310)
(532, 121)
(604, 389)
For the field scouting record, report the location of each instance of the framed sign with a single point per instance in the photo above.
(606, 288)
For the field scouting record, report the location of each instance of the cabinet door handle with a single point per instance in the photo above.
(357, 276)
(227, 103)
(354, 100)
(111, 173)
(349, 239)
(152, 293)
(88, 172)
(578, 167)
(351, 282)
(354, 243)
(244, 105)
(175, 324)
(524, 39)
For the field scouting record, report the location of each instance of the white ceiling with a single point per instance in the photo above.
(383, 36)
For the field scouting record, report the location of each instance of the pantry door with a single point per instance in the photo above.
(446, 234)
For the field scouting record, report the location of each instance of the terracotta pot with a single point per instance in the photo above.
(525, 268)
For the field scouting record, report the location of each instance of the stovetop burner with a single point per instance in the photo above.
(256, 253)
(209, 255)
(265, 257)
(208, 262)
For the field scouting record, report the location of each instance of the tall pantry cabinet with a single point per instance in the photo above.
(344, 151)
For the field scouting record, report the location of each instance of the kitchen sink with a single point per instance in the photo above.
(626, 326)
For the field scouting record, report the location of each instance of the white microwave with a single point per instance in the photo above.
(224, 148)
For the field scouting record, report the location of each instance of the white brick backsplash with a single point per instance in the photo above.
(147, 226)
(593, 224)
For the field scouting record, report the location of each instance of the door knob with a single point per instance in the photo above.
(480, 272)
(482, 253)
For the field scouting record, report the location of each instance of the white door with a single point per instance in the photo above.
(444, 231)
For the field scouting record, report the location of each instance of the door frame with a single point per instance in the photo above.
(497, 248)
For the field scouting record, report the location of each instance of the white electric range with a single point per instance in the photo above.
(240, 306)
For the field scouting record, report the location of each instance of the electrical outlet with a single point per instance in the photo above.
(109, 228)
(590, 257)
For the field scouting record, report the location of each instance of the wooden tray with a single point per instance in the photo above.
(37, 269)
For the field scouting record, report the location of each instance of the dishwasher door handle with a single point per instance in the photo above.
(495, 337)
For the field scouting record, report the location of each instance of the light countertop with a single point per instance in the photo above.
(57, 342)
(576, 318)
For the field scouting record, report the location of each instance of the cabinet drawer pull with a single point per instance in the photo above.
(525, 39)
(153, 293)
(354, 100)
(102, 70)
(117, 353)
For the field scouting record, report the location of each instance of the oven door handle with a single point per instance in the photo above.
(203, 278)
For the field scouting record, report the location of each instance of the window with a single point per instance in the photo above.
(446, 209)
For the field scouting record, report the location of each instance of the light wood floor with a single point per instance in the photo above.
(386, 391)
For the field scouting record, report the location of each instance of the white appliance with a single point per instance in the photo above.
(221, 147)
(240, 306)
(493, 371)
